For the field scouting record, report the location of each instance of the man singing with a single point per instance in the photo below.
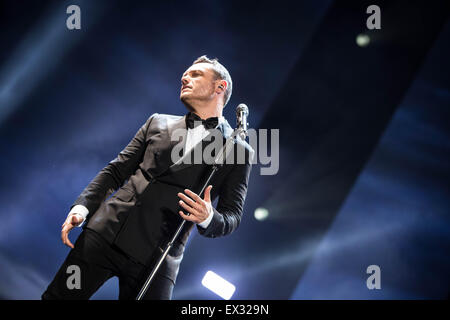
(123, 235)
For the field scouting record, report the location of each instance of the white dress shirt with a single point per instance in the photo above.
(194, 136)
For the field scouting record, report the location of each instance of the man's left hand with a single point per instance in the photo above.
(199, 208)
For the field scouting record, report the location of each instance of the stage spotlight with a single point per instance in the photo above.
(218, 285)
(261, 213)
(362, 40)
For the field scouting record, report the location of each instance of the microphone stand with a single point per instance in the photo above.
(240, 132)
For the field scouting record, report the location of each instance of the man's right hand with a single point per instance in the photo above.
(72, 221)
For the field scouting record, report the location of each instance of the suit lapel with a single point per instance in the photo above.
(172, 126)
(181, 164)
(166, 145)
(226, 129)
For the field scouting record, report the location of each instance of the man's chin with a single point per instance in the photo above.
(186, 102)
(184, 96)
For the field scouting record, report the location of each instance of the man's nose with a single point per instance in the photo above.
(184, 81)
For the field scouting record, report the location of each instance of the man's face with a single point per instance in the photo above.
(197, 84)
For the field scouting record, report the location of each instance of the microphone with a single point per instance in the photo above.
(241, 120)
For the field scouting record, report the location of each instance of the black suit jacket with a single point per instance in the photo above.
(143, 214)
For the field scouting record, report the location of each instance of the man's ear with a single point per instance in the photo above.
(222, 86)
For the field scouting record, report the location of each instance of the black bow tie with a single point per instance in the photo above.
(193, 120)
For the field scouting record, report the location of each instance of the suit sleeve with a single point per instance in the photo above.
(112, 177)
(227, 215)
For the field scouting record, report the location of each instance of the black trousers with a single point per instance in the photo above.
(95, 261)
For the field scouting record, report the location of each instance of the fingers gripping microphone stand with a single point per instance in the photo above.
(241, 132)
